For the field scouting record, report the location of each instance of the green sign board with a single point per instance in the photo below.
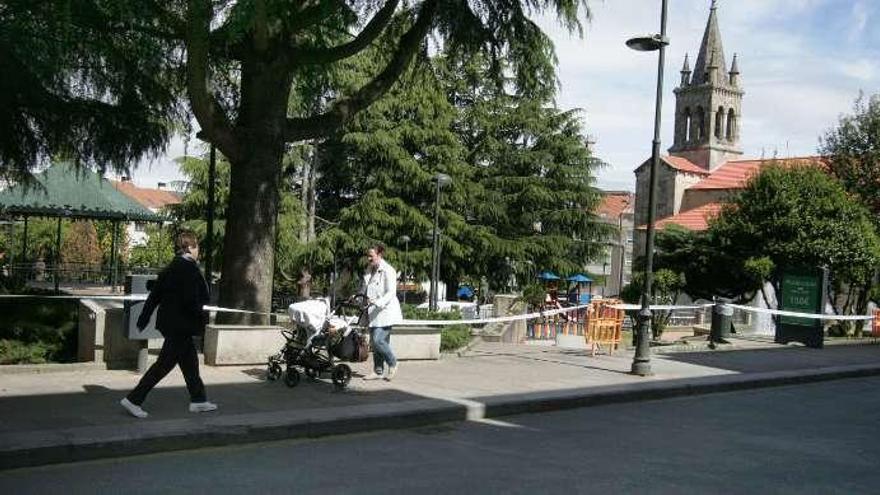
(802, 291)
(802, 294)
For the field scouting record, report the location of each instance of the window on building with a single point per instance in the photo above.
(701, 123)
(731, 125)
(140, 226)
(687, 124)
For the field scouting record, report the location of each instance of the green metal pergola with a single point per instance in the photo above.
(64, 191)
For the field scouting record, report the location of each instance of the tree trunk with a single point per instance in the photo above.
(249, 244)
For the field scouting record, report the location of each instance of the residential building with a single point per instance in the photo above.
(154, 200)
(615, 266)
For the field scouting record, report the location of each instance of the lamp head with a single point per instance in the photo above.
(442, 179)
(647, 43)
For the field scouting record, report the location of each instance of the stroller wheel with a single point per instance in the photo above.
(291, 379)
(274, 371)
(341, 376)
(312, 373)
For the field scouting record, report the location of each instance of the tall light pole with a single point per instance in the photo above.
(642, 360)
(441, 180)
(405, 240)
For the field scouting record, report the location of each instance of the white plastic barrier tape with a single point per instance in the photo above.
(802, 315)
(478, 321)
(136, 297)
(498, 319)
(660, 307)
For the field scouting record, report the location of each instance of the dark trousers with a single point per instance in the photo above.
(176, 351)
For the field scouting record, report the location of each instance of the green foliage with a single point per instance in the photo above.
(107, 81)
(533, 294)
(192, 210)
(35, 331)
(157, 252)
(411, 312)
(17, 352)
(853, 150)
(80, 247)
(800, 217)
(40, 238)
(666, 286)
(94, 81)
(707, 267)
(515, 164)
(535, 173)
(454, 337)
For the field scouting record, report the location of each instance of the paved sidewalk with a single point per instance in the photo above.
(74, 415)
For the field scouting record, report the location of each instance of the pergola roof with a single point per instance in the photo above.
(62, 190)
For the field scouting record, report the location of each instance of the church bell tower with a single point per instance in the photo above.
(708, 104)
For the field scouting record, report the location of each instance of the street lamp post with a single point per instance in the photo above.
(405, 240)
(441, 180)
(642, 360)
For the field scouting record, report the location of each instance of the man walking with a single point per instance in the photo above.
(380, 287)
(180, 293)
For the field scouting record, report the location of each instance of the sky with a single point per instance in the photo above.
(802, 64)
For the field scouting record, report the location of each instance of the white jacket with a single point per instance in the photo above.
(380, 287)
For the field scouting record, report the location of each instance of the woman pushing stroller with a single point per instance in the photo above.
(380, 289)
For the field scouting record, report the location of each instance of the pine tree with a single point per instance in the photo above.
(120, 73)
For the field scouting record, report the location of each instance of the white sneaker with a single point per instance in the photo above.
(133, 409)
(392, 370)
(202, 406)
(373, 376)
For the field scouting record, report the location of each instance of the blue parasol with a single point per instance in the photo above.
(548, 275)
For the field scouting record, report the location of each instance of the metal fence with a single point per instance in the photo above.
(38, 273)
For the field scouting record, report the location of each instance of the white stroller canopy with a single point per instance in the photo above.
(313, 314)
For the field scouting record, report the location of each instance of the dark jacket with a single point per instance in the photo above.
(179, 292)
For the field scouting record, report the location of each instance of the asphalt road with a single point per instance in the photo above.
(820, 438)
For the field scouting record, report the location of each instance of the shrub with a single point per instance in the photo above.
(454, 337)
(31, 326)
(17, 352)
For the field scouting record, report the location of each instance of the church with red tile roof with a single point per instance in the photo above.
(704, 167)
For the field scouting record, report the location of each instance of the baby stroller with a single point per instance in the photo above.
(318, 336)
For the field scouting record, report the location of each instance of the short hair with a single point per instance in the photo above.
(185, 240)
(378, 247)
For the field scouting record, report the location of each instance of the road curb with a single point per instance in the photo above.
(28, 449)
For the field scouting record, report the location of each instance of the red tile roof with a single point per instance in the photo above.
(615, 203)
(684, 165)
(693, 219)
(734, 174)
(150, 198)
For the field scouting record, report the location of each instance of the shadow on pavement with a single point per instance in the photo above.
(778, 359)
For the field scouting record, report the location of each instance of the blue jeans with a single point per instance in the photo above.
(380, 337)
